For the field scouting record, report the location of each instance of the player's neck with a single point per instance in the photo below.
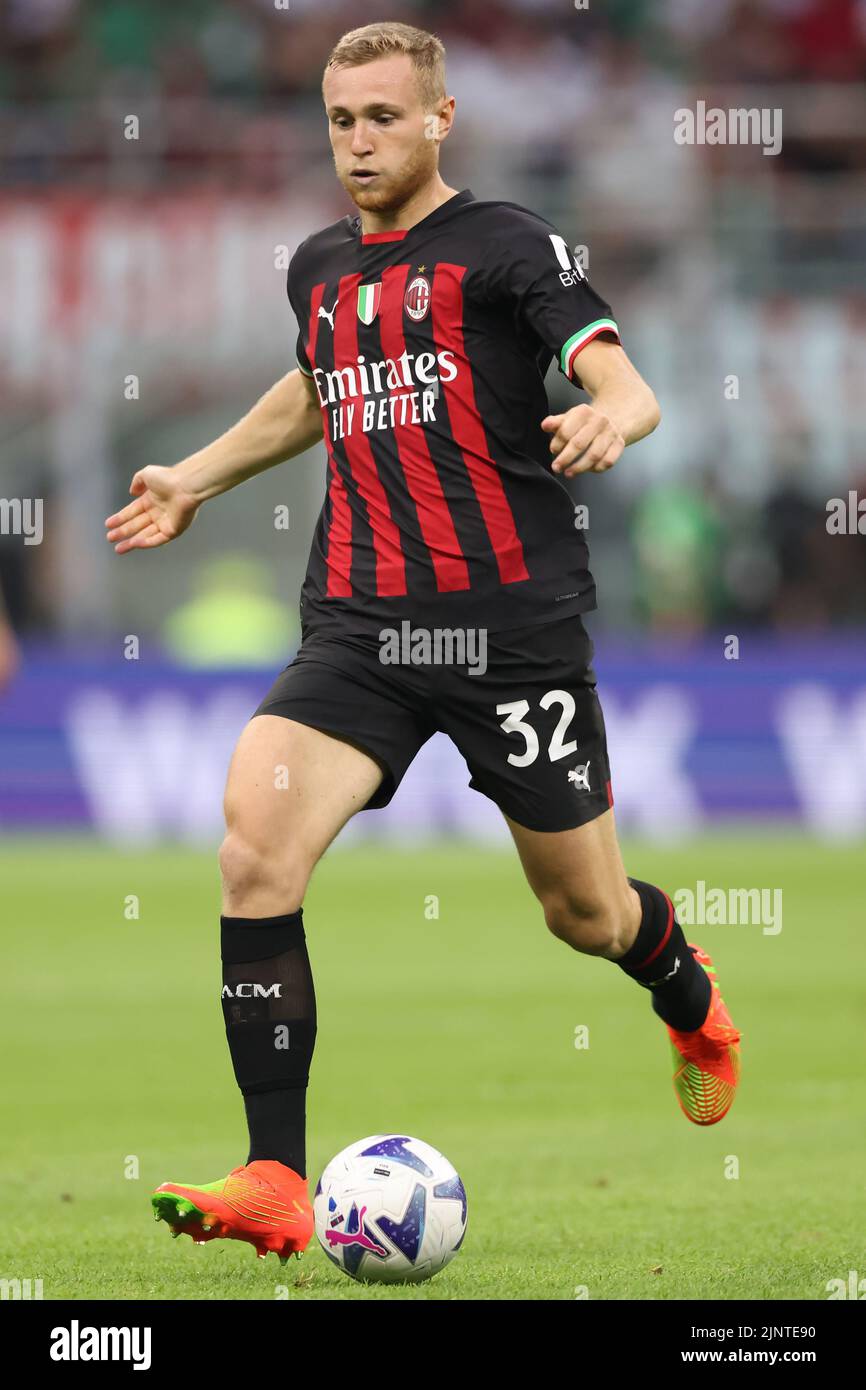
(419, 206)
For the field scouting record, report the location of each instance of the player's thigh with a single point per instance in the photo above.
(532, 732)
(290, 790)
(531, 728)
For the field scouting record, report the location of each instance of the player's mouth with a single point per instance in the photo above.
(362, 177)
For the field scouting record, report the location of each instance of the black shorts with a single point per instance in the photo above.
(521, 706)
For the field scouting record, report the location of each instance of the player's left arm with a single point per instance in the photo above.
(529, 269)
(623, 409)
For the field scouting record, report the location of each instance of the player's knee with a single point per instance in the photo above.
(594, 925)
(260, 880)
(242, 863)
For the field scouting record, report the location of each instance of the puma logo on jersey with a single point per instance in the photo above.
(579, 776)
(324, 314)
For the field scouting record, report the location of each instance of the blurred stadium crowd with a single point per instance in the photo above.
(570, 111)
(255, 80)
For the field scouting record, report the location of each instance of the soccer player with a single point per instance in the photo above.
(427, 323)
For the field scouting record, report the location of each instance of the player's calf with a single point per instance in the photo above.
(290, 789)
(641, 934)
(659, 959)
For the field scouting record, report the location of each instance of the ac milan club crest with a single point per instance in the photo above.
(369, 297)
(416, 300)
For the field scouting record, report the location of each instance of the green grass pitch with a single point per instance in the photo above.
(581, 1171)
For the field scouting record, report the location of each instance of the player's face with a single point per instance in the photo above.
(379, 133)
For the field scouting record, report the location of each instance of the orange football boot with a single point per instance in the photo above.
(707, 1059)
(262, 1202)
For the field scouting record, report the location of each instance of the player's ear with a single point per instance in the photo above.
(444, 118)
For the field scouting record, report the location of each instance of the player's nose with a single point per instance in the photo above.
(361, 141)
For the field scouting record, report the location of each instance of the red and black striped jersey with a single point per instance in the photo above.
(429, 349)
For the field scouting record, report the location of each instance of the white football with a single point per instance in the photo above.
(390, 1209)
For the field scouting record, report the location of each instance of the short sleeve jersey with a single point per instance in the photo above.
(428, 348)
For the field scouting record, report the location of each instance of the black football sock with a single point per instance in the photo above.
(660, 960)
(269, 1007)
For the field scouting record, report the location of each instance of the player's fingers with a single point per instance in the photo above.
(559, 442)
(131, 528)
(610, 458)
(590, 465)
(581, 419)
(144, 540)
(560, 439)
(578, 444)
(157, 537)
(593, 455)
(126, 513)
(567, 443)
(591, 430)
(551, 422)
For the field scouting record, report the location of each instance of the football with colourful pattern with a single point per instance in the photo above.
(390, 1209)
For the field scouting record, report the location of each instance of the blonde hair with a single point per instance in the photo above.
(373, 41)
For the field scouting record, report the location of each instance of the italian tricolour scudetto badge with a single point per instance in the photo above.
(416, 300)
(368, 301)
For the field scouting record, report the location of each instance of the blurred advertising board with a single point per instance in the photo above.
(137, 751)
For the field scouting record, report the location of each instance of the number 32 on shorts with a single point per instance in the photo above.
(515, 723)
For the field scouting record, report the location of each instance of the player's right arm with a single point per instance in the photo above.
(286, 421)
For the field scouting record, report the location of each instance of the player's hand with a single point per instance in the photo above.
(162, 510)
(584, 441)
